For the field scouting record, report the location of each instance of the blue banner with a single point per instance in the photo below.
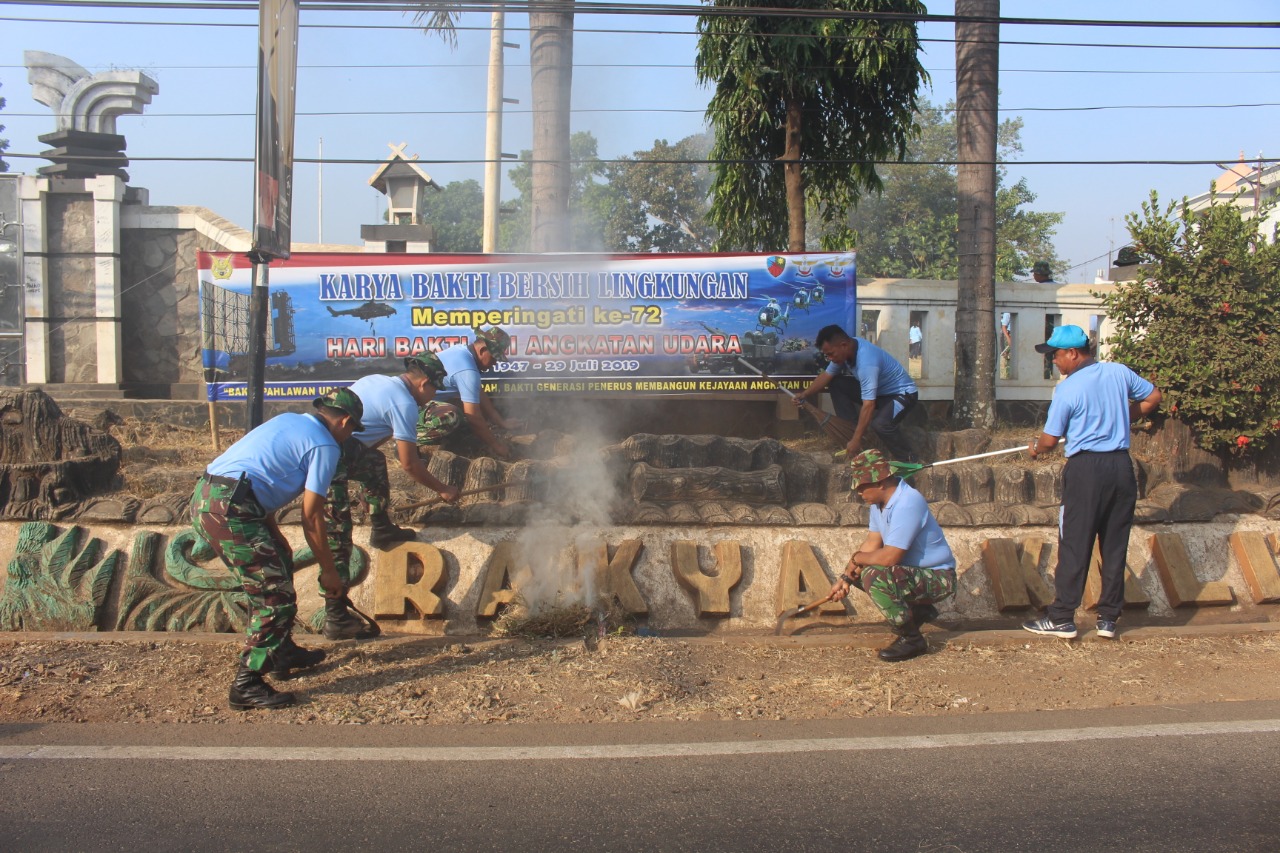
(585, 325)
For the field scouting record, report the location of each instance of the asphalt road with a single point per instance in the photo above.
(1158, 779)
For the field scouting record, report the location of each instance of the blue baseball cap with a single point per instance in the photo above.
(1064, 337)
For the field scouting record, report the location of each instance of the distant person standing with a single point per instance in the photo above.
(233, 509)
(868, 387)
(464, 364)
(1042, 273)
(916, 337)
(1092, 406)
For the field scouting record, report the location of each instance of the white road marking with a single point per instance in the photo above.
(49, 752)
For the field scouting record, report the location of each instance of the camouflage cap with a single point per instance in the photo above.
(497, 340)
(869, 466)
(427, 363)
(344, 400)
(1042, 267)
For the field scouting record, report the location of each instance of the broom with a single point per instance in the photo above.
(838, 428)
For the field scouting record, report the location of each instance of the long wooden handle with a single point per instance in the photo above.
(764, 375)
(438, 499)
(977, 456)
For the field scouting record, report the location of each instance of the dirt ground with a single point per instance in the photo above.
(440, 681)
(406, 681)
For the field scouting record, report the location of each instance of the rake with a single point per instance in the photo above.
(838, 428)
(906, 469)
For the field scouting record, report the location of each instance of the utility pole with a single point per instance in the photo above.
(493, 136)
(320, 192)
(977, 99)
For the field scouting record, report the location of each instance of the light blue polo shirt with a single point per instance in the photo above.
(389, 410)
(878, 372)
(281, 457)
(906, 523)
(463, 372)
(1091, 407)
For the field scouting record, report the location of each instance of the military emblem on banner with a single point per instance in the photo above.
(777, 264)
(221, 267)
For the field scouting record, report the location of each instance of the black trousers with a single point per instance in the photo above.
(846, 399)
(1099, 491)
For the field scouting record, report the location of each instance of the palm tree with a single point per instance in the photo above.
(551, 67)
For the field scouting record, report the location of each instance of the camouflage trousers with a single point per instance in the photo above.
(368, 467)
(437, 420)
(895, 588)
(236, 526)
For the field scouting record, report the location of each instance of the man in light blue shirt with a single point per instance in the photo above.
(868, 387)
(390, 413)
(464, 364)
(905, 563)
(233, 509)
(1092, 406)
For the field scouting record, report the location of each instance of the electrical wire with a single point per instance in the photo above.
(578, 7)
(364, 161)
(680, 111)
(610, 31)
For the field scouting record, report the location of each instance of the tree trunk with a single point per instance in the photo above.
(794, 179)
(977, 96)
(551, 68)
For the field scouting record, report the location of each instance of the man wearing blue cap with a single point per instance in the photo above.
(1092, 406)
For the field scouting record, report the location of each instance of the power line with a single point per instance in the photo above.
(676, 111)
(631, 31)
(362, 161)
(310, 66)
(578, 7)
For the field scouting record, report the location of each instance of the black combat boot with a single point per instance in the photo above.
(249, 691)
(340, 623)
(923, 614)
(910, 644)
(383, 534)
(289, 657)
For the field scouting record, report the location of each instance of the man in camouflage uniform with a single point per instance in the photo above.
(482, 421)
(390, 412)
(905, 563)
(437, 421)
(234, 508)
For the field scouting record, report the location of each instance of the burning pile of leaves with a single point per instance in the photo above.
(560, 619)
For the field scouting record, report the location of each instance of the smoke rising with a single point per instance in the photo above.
(561, 542)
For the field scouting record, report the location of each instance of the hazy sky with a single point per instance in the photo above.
(371, 78)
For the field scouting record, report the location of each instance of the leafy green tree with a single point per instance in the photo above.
(908, 229)
(663, 199)
(1204, 321)
(456, 211)
(551, 73)
(589, 200)
(803, 107)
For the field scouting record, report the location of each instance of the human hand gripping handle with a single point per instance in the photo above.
(331, 583)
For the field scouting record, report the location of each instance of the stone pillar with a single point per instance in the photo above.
(108, 192)
(64, 292)
(32, 195)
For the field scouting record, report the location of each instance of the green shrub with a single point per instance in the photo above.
(1201, 322)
